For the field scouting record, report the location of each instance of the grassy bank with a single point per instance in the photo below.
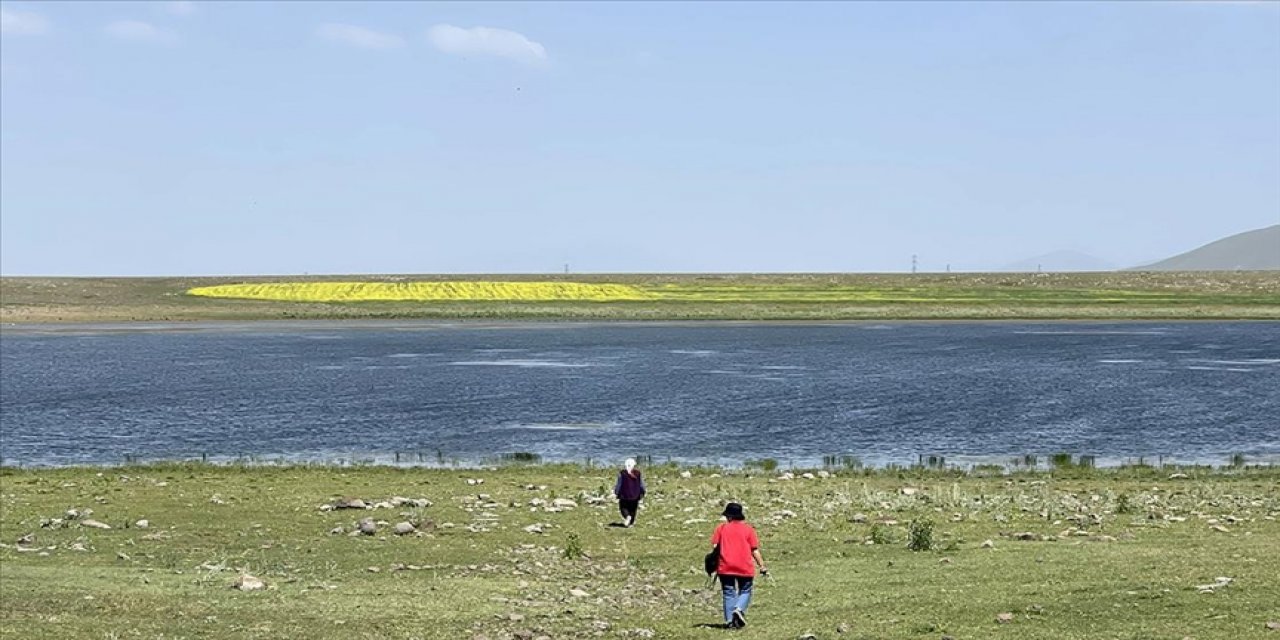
(1119, 295)
(1073, 553)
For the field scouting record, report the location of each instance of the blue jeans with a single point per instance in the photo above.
(737, 594)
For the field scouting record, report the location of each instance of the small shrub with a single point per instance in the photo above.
(1060, 460)
(1237, 460)
(841, 462)
(881, 534)
(521, 456)
(1123, 504)
(573, 547)
(920, 535)
(766, 464)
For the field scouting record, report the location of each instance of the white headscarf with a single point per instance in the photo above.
(630, 464)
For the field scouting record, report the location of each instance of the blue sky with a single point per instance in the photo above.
(240, 138)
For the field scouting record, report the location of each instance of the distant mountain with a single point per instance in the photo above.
(1257, 250)
(1060, 261)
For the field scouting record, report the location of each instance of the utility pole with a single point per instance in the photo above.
(913, 263)
(566, 268)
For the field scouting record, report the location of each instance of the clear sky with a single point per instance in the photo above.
(252, 137)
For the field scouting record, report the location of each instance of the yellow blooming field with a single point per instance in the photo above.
(424, 291)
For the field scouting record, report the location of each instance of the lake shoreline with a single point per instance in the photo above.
(412, 324)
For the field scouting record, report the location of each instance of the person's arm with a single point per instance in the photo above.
(617, 487)
(755, 555)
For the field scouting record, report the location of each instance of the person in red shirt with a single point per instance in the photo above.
(739, 556)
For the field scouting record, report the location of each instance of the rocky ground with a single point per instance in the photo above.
(533, 552)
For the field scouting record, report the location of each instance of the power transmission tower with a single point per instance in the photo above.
(913, 263)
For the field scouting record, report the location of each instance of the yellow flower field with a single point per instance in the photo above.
(424, 291)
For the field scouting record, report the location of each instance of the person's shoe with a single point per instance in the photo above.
(739, 619)
(629, 521)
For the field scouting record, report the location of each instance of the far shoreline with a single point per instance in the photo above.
(412, 324)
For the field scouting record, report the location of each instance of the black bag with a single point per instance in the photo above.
(711, 563)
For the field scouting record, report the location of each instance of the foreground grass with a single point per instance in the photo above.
(1116, 295)
(1145, 542)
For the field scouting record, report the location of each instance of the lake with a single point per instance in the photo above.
(717, 393)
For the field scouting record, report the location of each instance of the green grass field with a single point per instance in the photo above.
(1103, 296)
(1073, 554)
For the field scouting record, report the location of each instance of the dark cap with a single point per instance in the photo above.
(733, 511)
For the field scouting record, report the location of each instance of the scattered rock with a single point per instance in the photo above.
(367, 527)
(858, 518)
(72, 514)
(642, 633)
(842, 628)
(806, 636)
(987, 544)
(579, 593)
(78, 546)
(824, 474)
(808, 476)
(404, 528)
(534, 528)
(413, 502)
(29, 538)
(1026, 535)
(1177, 476)
(373, 569)
(337, 531)
(1274, 625)
(601, 625)
(1004, 618)
(120, 555)
(246, 582)
(350, 503)
(908, 491)
(94, 524)
(1220, 529)
(1218, 583)
(475, 481)
(142, 524)
(564, 503)
(686, 475)
(217, 499)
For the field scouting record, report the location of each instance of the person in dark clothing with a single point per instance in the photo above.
(629, 490)
(739, 556)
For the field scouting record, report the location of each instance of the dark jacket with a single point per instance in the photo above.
(630, 486)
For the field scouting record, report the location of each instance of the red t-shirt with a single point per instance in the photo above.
(737, 540)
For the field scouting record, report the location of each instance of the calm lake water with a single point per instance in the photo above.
(713, 393)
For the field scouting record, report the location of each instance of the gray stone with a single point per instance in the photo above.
(404, 528)
(246, 582)
(367, 527)
(94, 524)
(349, 503)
